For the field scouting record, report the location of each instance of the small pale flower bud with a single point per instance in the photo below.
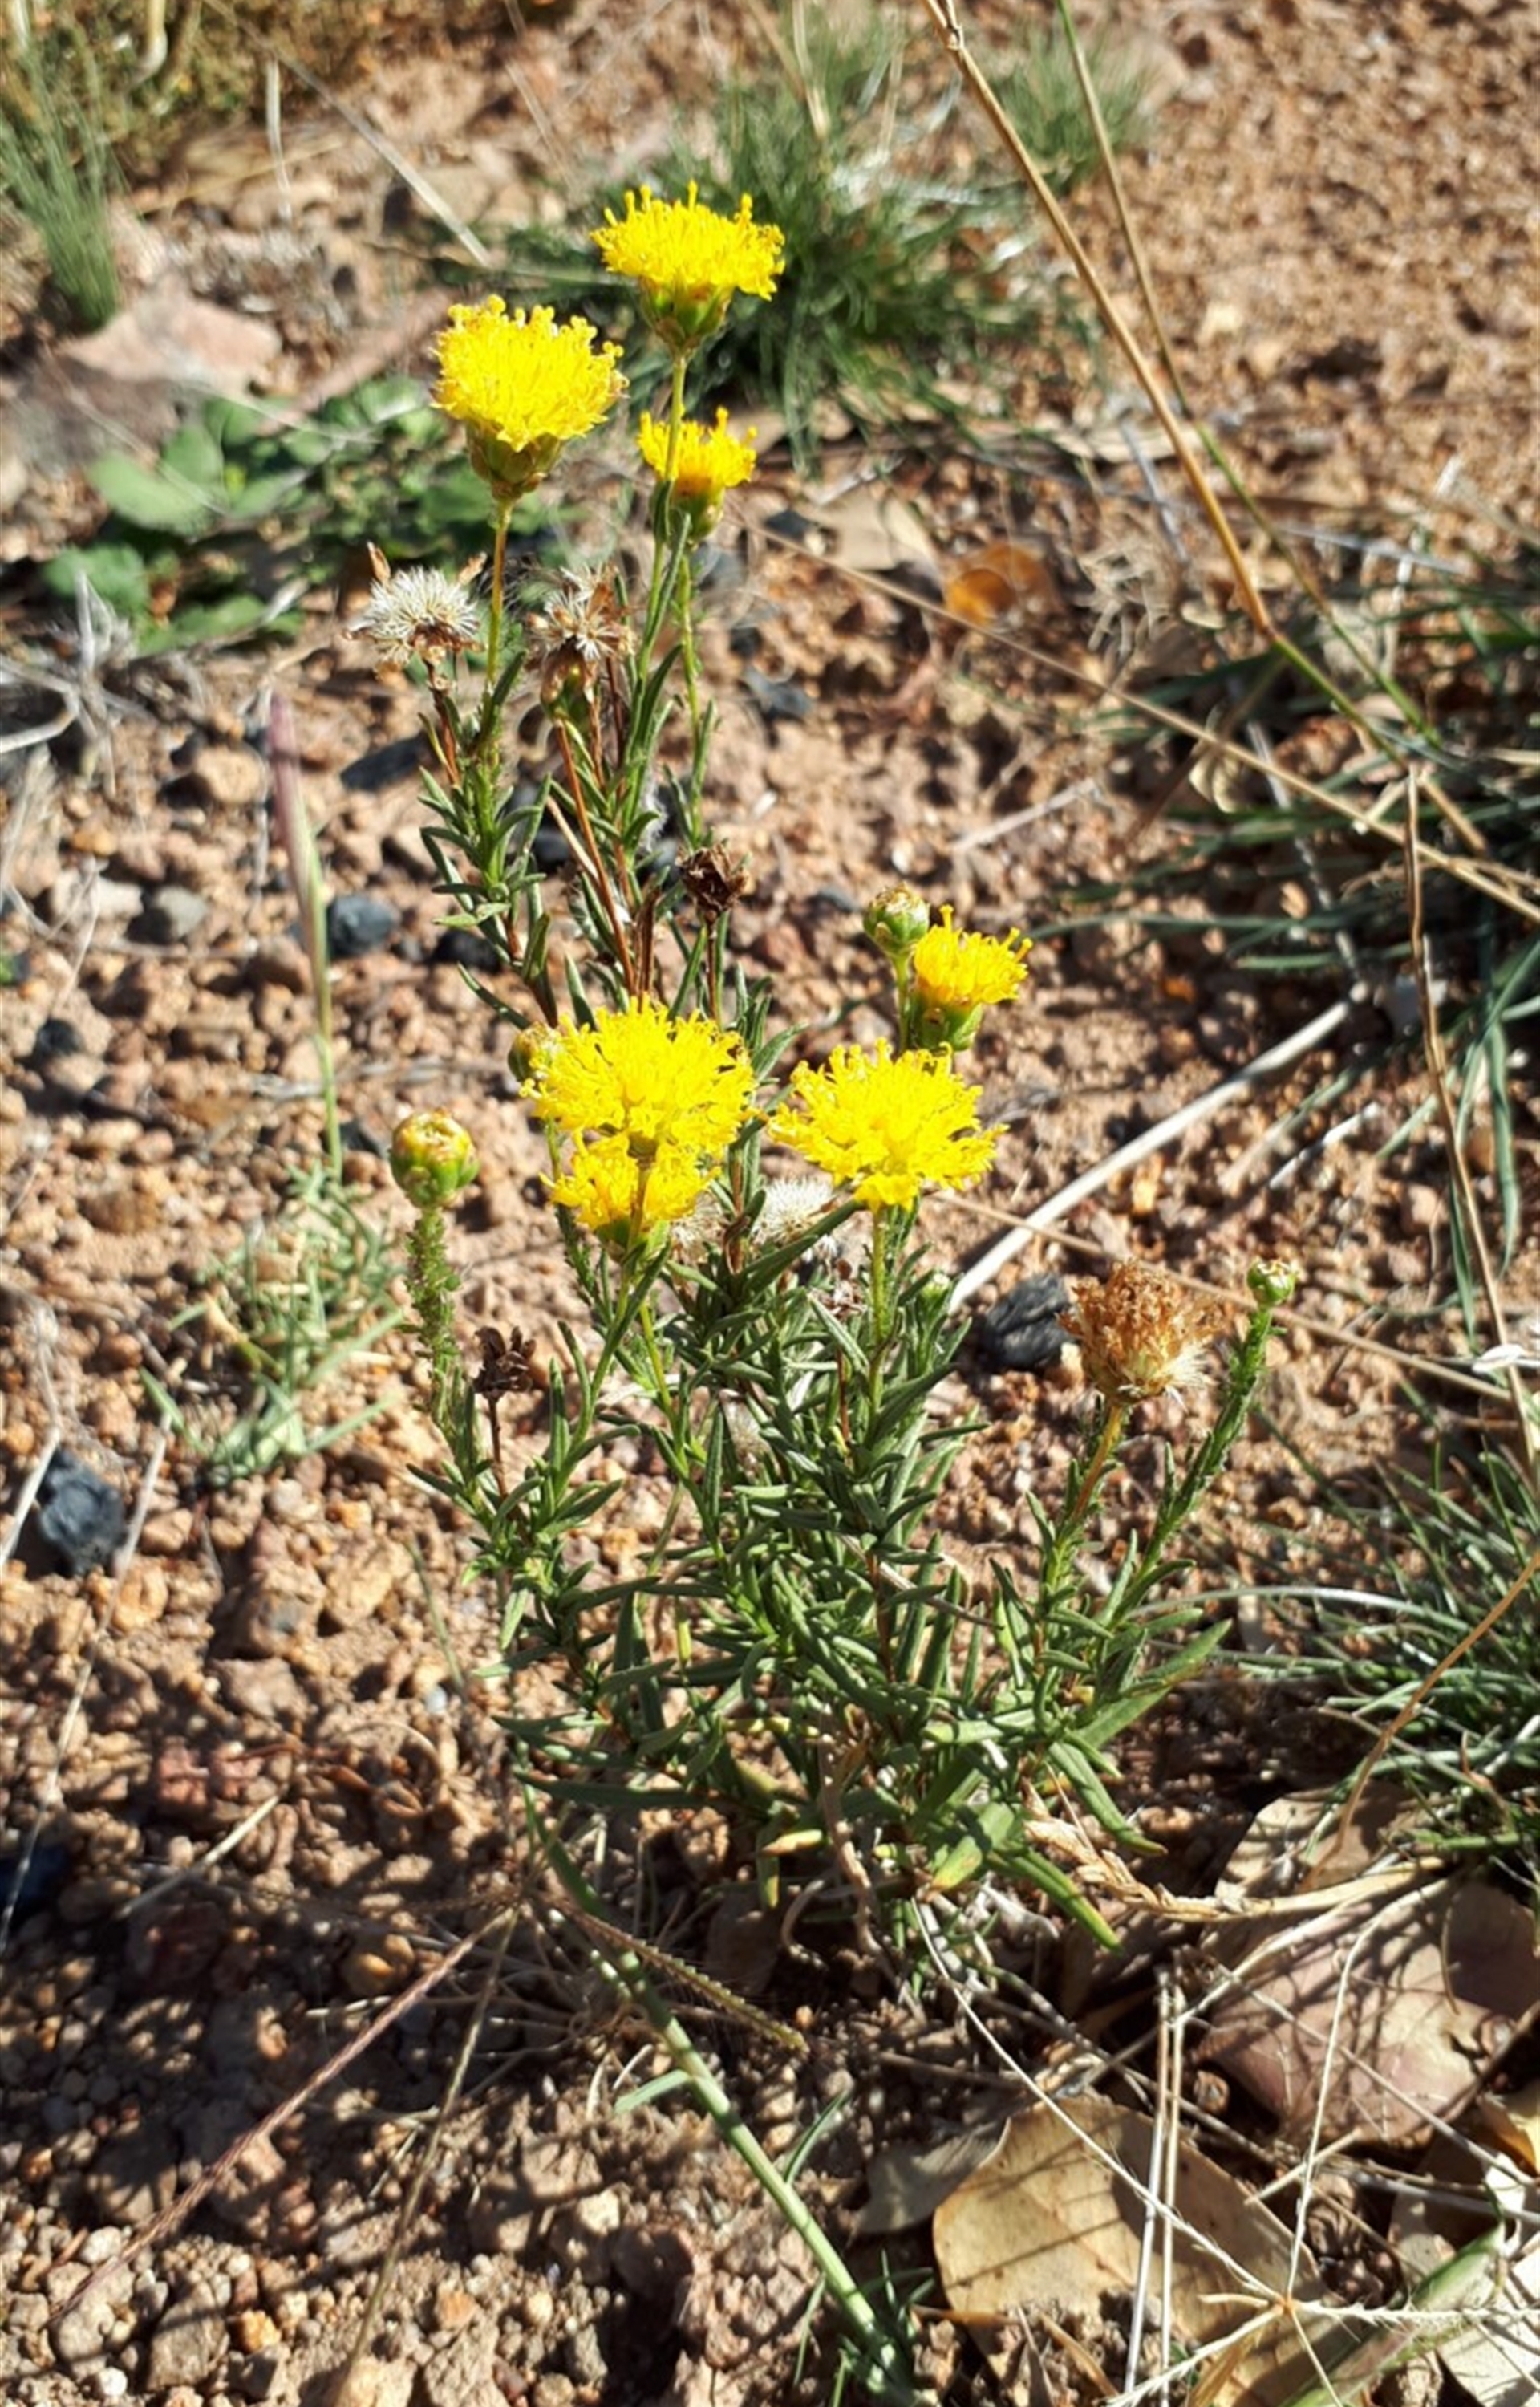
(896, 921)
(1273, 1282)
(433, 1159)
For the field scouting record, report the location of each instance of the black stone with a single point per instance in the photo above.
(55, 1041)
(464, 949)
(357, 924)
(776, 697)
(78, 1514)
(358, 1137)
(28, 1883)
(1022, 1333)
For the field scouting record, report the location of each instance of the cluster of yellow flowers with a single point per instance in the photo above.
(523, 385)
(651, 1104)
(643, 1107)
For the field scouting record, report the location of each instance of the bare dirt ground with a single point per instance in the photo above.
(267, 1801)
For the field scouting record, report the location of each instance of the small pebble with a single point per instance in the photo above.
(357, 924)
(230, 774)
(55, 1041)
(1022, 1332)
(462, 948)
(170, 916)
(78, 1516)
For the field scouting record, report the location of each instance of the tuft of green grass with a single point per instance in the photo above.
(1406, 1656)
(1043, 99)
(1310, 878)
(301, 1300)
(909, 292)
(56, 171)
(903, 271)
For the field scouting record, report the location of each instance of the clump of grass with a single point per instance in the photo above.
(302, 1298)
(308, 1294)
(908, 292)
(901, 272)
(56, 172)
(1042, 97)
(1438, 1660)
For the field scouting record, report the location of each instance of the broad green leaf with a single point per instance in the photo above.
(117, 572)
(147, 499)
(194, 455)
(217, 623)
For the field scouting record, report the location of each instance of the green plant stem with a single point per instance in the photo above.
(884, 2370)
(432, 1286)
(1085, 1483)
(496, 599)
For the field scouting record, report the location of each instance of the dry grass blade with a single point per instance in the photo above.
(1092, 1181)
(1515, 889)
(943, 16)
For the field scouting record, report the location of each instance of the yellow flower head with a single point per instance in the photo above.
(689, 261)
(621, 1197)
(522, 386)
(1140, 1331)
(666, 1096)
(953, 977)
(708, 461)
(886, 1127)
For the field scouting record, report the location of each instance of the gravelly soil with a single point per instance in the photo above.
(266, 1803)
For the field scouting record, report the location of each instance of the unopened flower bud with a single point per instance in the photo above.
(1273, 1282)
(433, 1159)
(896, 921)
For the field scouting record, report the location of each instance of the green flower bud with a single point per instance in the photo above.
(433, 1159)
(896, 921)
(1273, 1282)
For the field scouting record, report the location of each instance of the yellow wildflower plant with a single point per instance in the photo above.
(954, 975)
(887, 1127)
(689, 261)
(707, 461)
(522, 386)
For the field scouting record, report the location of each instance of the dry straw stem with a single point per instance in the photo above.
(413, 177)
(1513, 890)
(1092, 1181)
(944, 16)
(170, 2219)
(1409, 1711)
(1168, 361)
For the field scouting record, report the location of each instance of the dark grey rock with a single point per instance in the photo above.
(171, 915)
(55, 1041)
(1022, 1332)
(78, 1514)
(357, 924)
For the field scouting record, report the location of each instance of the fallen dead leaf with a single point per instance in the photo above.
(1394, 2007)
(1049, 2223)
(1515, 2121)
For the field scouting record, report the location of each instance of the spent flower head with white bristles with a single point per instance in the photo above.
(419, 614)
(1141, 1333)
